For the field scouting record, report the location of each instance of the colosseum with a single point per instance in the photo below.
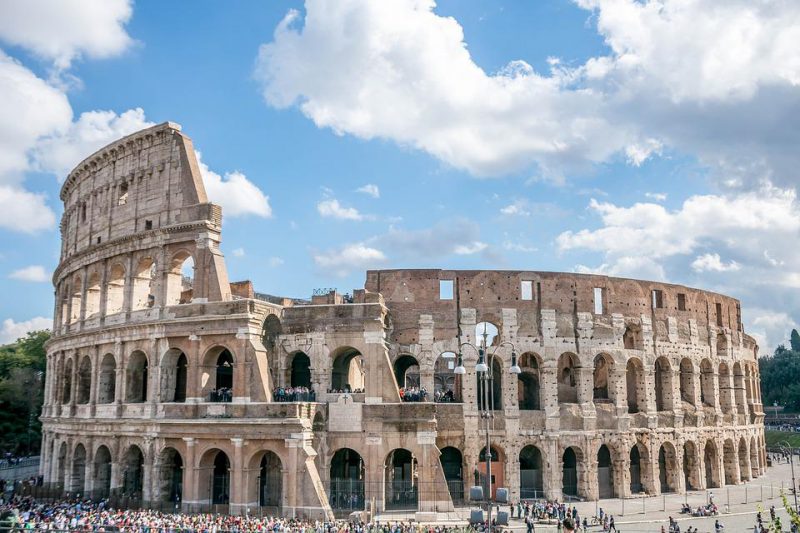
(167, 382)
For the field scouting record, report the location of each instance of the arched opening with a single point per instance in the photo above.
(270, 481)
(738, 385)
(528, 388)
(174, 376)
(707, 395)
(567, 378)
(347, 481)
(170, 475)
(347, 373)
(66, 392)
(143, 294)
(687, 381)
(569, 473)
(446, 384)
(102, 473)
(725, 389)
(221, 479)
(602, 368)
(637, 464)
(75, 299)
(400, 480)
(635, 386)
(605, 473)
(64, 296)
(490, 388)
(667, 467)
(223, 378)
(270, 331)
(180, 279)
(137, 378)
(133, 472)
(663, 383)
(107, 382)
(730, 462)
(115, 290)
(406, 371)
(497, 480)
(531, 484)
(711, 464)
(632, 338)
(744, 470)
(486, 331)
(78, 478)
(452, 466)
(722, 345)
(84, 380)
(301, 371)
(93, 295)
(691, 473)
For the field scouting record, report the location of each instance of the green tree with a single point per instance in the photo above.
(794, 341)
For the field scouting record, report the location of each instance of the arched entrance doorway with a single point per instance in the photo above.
(528, 389)
(400, 480)
(569, 473)
(667, 465)
(712, 467)
(691, 475)
(221, 480)
(102, 473)
(346, 481)
(301, 371)
(170, 476)
(347, 374)
(605, 473)
(531, 485)
(497, 470)
(133, 473)
(78, 479)
(270, 481)
(223, 390)
(452, 466)
(636, 462)
(406, 371)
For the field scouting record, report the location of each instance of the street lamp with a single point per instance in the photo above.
(486, 376)
(785, 445)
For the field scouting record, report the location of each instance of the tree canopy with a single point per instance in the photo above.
(780, 376)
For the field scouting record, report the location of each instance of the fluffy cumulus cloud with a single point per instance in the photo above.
(237, 195)
(33, 273)
(331, 208)
(63, 30)
(370, 189)
(12, 330)
(713, 263)
(341, 261)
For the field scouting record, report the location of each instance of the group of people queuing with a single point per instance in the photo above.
(221, 395)
(413, 394)
(294, 394)
(345, 390)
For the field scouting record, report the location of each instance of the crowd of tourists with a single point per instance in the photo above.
(294, 394)
(346, 390)
(413, 394)
(221, 395)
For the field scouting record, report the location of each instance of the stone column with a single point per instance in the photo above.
(95, 380)
(622, 477)
(238, 500)
(127, 293)
(190, 489)
(194, 391)
(374, 475)
(147, 475)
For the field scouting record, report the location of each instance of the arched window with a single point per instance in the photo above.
(406, 371)
(635, 384)
(488, 332)
(567, 378)
(66, 392)
(729, 459)
(144, 276)
(180, 279)
(707, 393)
(528, 383)
(115, 290)
(84, 380)
(223, 382)
(75, 303)
(446, 384)
(174, 376)
(602, 369)
(137, 378)
(725, 389)
(301, 370)
(107, 386)
(663, 383)
(687, 381)
(93, 295)
(170, 475)
(347, 372)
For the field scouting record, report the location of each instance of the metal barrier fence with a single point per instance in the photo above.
(19, 463)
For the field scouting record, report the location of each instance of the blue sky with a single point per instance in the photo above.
(641, 139)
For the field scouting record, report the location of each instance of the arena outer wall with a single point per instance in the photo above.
(161, 379)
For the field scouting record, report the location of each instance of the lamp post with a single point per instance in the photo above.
(785, 445)
(486, 377)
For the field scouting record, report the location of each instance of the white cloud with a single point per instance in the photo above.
(517, 208)
(638, 153)
(24, 211)
(469, 249)
(331, 208)
(63, 30)
(370, 189)
(238, 252)
(33, 273)
(275, 262)
(237, 195)
(657, 196)
(12, 330)
(341, 261)
(518, 247)
(713, 263)
(769, 328)
(628, 267)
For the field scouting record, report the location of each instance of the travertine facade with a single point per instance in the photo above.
(162, 378)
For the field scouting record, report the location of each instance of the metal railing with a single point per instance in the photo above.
(19, 463)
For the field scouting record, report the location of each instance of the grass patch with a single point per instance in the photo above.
(774, 437)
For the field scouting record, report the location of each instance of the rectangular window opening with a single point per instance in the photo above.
(658, 299)
(526, 290)
(681, 302)
(598, 300)
(445, 289)
(719, 314)
(148, 224)
(123, 194)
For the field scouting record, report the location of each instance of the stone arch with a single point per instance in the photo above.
(170, 475)
(143, 293)
(691, 466)
(400, 480)
(744, 471)
(635, 386)
(180, 278)
(406, 371)
(603, 365)
(78, 473)
(66, 392)
(347, 371)
(605, 473)
(84, 380)
(174, 376)
(218, 374)
(137, 377)
(266, 486)
(214, 484)
(638, 467)
(738, 386)
(529, 390)
(571, 462)
(725, 389)
(531, 473)
(115, 289)
(102, 472)
(687, 381)
(92, 295)
(446, 384)
(668, 468)
(133, 472)
(707, 392)
(491, 332)
(710, 459)
(271, 330)
(107, 379)
(300, 370)
(730, 462)
(495, 395)
(663, 384)
(452, 462)
(76, 298)
(567, 369)
(347, 480)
